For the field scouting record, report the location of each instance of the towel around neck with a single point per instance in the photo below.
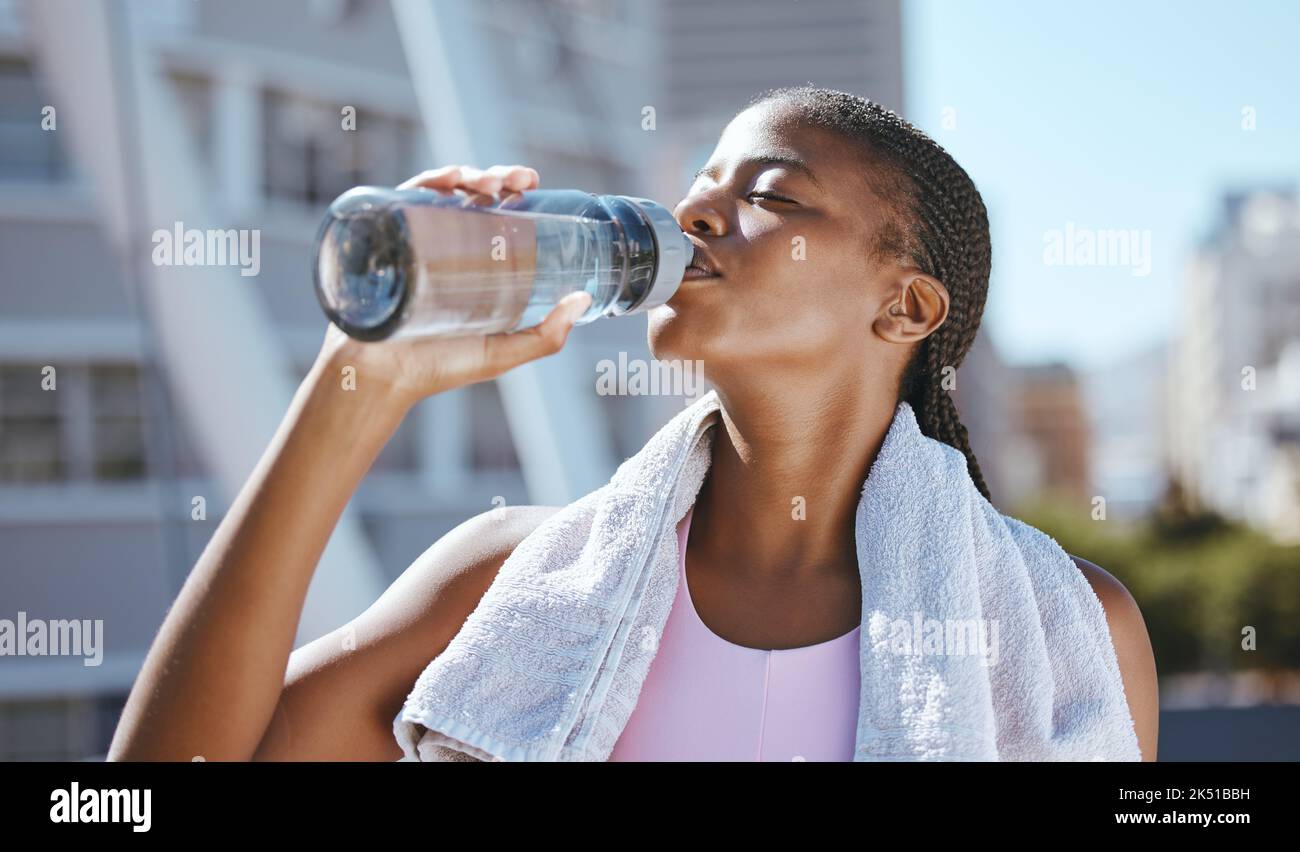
(981, 640)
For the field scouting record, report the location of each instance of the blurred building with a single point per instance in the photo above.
(1128, 458)
(1047, 429)
(90, 521)
(983, 394)
(1050, 418)
(717, 54)
(1029, 426)
(1234, 407)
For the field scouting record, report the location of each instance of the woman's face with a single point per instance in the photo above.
(798, 288)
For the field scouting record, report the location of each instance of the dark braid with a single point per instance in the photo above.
(939, 224)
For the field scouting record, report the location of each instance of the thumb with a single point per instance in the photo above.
(565, 313)
(545, 338)
(575, 304)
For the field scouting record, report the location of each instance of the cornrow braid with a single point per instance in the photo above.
(938, 223)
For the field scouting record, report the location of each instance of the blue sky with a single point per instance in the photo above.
(1108, 115)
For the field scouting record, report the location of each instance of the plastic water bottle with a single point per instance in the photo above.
(408, 262)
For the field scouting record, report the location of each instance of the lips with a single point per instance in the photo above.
(693, 272)
(702, 266)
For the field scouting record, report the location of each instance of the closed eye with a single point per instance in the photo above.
(771, 196)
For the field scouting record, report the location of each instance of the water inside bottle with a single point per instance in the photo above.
(483, 270)
(452, 267)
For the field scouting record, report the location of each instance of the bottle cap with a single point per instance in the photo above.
(673, 252)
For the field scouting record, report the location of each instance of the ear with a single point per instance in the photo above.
(916, 306)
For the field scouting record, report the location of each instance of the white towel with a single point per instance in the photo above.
(550, 663)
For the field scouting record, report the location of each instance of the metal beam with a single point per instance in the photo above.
(208, 325)
(559, 434)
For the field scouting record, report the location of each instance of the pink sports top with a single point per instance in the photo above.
(708, 699)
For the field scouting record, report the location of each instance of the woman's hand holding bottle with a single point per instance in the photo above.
(410, 369)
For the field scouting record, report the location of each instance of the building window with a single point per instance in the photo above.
(119, 451)
(27, 152)
(58, 729)
(90, 426)
(30, 427)
(309, 158)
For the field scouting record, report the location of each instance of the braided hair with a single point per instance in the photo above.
(937, 222)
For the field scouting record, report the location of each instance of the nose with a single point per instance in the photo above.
(698, 214)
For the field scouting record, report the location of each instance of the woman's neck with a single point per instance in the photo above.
(786, 477)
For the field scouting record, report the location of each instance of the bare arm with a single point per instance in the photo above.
(344, 689)
(215, 671)
(215, 674)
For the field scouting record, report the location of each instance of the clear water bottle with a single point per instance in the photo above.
(395, 263)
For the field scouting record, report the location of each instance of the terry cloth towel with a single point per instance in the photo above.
(550, 663)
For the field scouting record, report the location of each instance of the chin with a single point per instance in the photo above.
(700, 332)
(670, 335)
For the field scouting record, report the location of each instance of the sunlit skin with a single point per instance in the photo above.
(806, 356)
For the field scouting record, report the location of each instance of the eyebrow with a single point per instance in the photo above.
(793, 163)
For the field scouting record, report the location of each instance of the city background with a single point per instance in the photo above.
(1146, 415)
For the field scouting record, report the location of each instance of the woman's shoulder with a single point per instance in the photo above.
(1112, 593)
(1133, 651)
(487, 539)
(1122, 611)
(505, 523)
(431, 599)
(445, 582)
(1128, 630)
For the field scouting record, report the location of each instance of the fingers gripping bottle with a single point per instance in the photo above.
(393, 263)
